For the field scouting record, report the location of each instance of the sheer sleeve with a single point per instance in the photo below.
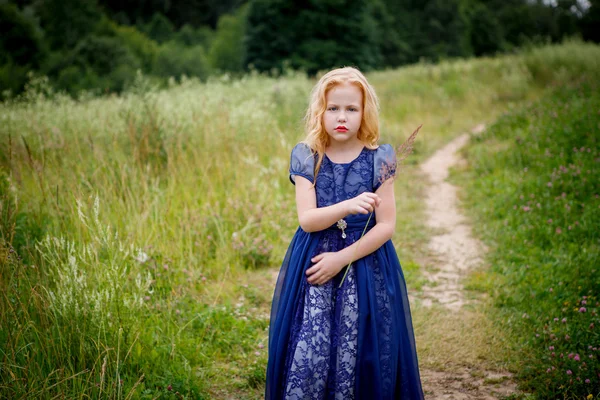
(302, 163)
(384, 165)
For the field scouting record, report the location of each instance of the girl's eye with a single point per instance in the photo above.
(332, 108)
(352, 109)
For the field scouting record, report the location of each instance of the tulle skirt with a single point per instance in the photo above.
(353, 341)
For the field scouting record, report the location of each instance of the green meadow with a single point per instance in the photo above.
(140, 234)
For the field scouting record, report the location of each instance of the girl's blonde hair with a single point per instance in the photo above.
(316, 135)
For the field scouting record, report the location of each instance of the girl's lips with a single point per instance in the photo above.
(341, 129)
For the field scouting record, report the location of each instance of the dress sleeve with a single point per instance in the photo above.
(302, 163)
(384, 165)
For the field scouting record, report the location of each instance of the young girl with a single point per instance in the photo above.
(334, 338)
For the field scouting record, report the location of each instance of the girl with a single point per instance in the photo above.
(350, 338)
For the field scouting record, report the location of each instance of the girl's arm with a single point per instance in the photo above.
(313, 219)
(327, 265)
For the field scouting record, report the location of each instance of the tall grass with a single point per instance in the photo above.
(192, 182)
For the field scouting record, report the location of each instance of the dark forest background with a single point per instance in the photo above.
(100, 45)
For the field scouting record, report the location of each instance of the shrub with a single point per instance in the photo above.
(174, 60)
(227, 51)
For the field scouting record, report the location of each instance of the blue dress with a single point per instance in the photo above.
(350, 342)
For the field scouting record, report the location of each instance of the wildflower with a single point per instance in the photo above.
(551, 348)
(582, 310)
(571, 355)
(555, 319)
(526, 208)
(592, 325)
(169, 388)
(567, 337)
(576, 358)
(583, 302)
(261, 346)
(564, 321)
(589, 397)
(257, 353)
(569, 372)
(558, 231)
(551, 290)
(141, 257)
(549, 220)
(587, 381)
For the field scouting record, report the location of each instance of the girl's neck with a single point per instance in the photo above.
(345, 151)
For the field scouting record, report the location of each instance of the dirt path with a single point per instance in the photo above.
(453, 253)
(454, 250)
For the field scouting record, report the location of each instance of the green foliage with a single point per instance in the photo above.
(144, 48)
(487, 36)
(589, 22)
(533, 186)
(305, 36)
(97, 62)
(21, 49)
(174, 60)
(227, 53)
(189, 36)
(159, 28)
(66, 22)
(20, 43)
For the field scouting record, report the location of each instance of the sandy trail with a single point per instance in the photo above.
(453, 253)
(454, 250)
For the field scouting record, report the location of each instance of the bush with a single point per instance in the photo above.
(227, 51)
(144, 48)
(97, 62)
(174, 60)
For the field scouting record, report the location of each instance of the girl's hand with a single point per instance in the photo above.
(364, 203)
(327, 265)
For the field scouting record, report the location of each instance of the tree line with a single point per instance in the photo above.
(99, 45)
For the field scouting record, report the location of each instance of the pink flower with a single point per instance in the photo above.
(549, 184)
(564, 321)
(587, 381)
(569, 372)
(551, 348)
(571, 355)
(526, 208)
(549, 220)
(558, 231)
(555, 319)
(567, 337)
(576, 358)
(551, 290)
(583, 302)
(582, 310)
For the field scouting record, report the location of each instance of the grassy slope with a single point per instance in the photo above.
(532, 187)
(177, 173)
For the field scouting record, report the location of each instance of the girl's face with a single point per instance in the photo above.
(343, 114)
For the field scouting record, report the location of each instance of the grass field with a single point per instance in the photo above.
(533, 188)
(138, 234)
